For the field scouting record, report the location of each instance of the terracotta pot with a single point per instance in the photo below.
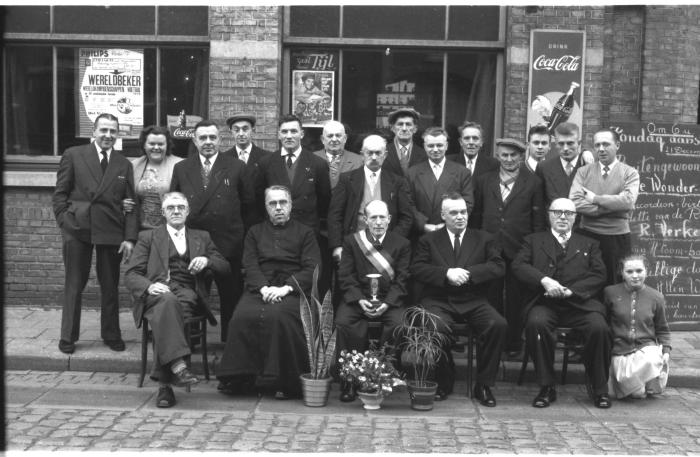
(315, 390)
(422, 394)
(372, 400)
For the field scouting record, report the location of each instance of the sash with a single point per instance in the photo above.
(382, 262)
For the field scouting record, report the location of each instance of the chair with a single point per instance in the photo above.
(195, 332)
(567, 340)
(464, 331)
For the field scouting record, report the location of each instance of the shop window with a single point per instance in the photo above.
(474, 23)
(27, 19)
(415, 22)
(119, 20)
(183, 20)
(314, 21)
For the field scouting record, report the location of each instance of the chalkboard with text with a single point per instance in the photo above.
(666, 222)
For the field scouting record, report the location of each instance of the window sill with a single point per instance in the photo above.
(29, 179)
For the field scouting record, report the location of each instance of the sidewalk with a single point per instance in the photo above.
(32, 334)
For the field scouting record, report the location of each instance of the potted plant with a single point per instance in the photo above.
(317, 320)
(372, 373)
(422, 346)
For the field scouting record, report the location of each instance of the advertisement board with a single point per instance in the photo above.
(313, 79)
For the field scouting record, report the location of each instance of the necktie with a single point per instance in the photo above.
(436, 171)
(289, 160)
(562, 240)
(103, 161)
(606, 169)
(568, 168)
(333, 165)
(470, 165)
(457, 246)
(404, 153)
(206, 170)
(181, 245)
(375, 242)
(243, 156)
(373, 181)
(505, 188)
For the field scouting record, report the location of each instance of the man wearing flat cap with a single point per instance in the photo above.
(242, 126)
(403, 153)
(508, 203)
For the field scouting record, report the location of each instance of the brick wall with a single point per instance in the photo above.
(245, 67)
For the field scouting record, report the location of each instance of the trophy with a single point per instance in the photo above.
(374, 288)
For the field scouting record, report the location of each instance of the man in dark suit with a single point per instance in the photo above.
(564, 273)
(242, 126)
(558, 173)
(217, 188)
(91, 182)
(358, 187)
(304, 173)
(429, 181)
(508, 204)
(165, 277)
(471, 139)
(373, 251)
(402, 152)
(455, 266)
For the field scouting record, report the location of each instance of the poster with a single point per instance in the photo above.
(665, 225)
(313, 86)
(110, 81)
(556, 61)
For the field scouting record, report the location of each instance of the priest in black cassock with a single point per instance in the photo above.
(266, 347)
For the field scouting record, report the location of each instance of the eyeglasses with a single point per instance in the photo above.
(171, 208)
(558, 213)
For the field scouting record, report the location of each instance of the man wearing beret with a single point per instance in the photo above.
(242, 126)
(508, 203)
(403, 153)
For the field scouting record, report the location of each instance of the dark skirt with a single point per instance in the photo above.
(266, 341)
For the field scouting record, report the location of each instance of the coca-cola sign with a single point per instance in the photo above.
(563, 63)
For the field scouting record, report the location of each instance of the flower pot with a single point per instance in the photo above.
(315, 390)
(371, 400)
(422, 395)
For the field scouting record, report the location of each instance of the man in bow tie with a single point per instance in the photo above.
(564, 273)
(166, 278)
(373, 251)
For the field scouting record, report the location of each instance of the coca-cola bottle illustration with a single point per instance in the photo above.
(182, 120)
(562, 109)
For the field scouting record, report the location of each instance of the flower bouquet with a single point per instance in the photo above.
(372, 373)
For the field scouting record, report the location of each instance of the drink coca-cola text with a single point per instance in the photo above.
(563, 63)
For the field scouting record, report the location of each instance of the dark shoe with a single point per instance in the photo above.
(484, 395)
(165, 398)
(184, 378)
(280, 395)
(347, 392)
(440, 395)
(116, 345)
(546, 396)
(602, 401)
(66, 347)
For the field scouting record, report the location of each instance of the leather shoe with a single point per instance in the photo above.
(116, 345)
(66, 347)
(347, 392)
(184, 378)
(546, 396)
(484, 395)
(165, 398)
(440, 395)
(602, 401)
(281, 395)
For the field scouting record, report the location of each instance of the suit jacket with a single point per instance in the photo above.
(484, 163)
(149, 264)
(354, 267)
(88, 205)
(554, 180)
(426, 192)
(522, 212)
(256, 212)
(311, 187)
(434, 255)
(218, 209)
(582, 270)
(348, 162)
(347, 199)
(392, 163)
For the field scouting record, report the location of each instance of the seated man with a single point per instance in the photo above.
(371, 251)
(166, 281)
(266, 346)
(455, 266)
(565, 273)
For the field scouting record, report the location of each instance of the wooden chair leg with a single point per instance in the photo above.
(188, 338)
(470, 364)
(205, 356)
(144, 351)
(523, 367)
(565, 363)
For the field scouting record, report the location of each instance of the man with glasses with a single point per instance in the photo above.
(165, 277)
(564, 273)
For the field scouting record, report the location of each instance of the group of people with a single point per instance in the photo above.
(512, 245)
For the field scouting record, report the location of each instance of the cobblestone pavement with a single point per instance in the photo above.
(107, 412)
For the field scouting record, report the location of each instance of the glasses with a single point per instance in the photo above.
(558, 213)
(171, 208)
